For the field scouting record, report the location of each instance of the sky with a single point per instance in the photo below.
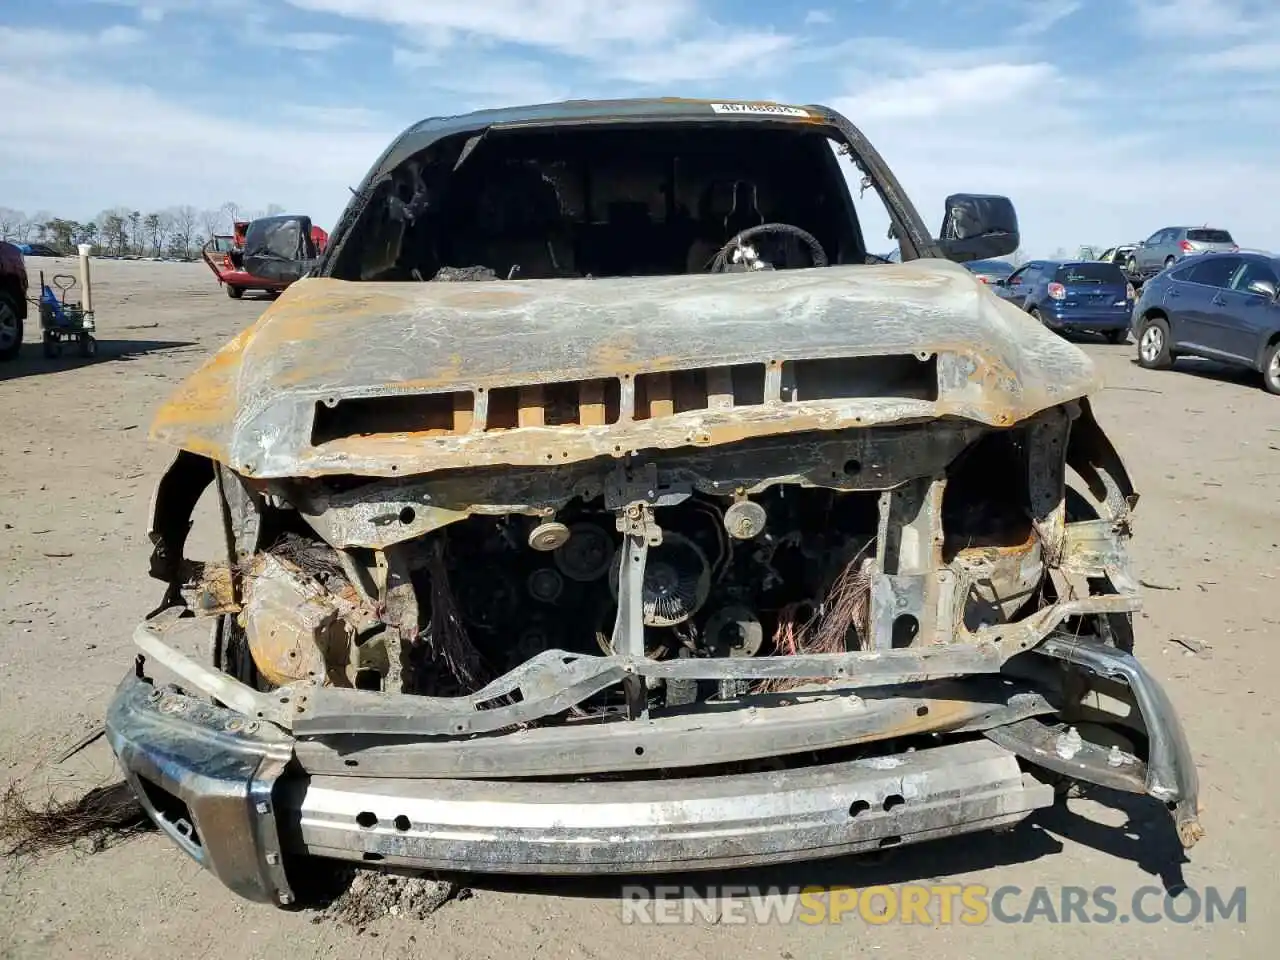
(1104, 120)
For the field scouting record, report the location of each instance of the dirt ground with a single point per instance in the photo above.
(76, 473)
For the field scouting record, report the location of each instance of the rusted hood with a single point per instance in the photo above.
(252, 405)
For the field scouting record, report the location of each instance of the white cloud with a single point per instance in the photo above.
(567, 26)
(151, 152)
(155, 11)
(1202, 18)
(817, 18)
(972, 91)
(303, 42)
(649, 42)
(1043, 15)
(261, 31)
(492, 83)
(36, 45)
(1260, 57)
(1075, 177)
(711, 58)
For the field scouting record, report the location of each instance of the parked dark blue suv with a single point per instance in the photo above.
(1073, 295)
(1222, 306)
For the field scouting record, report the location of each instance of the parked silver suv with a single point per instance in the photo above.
(1166, 247)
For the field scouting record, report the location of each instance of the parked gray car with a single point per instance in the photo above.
(1166, 247)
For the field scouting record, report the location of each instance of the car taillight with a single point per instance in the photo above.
(1185, 246)
(1057, 291)
(1129, 292)
(982, 279)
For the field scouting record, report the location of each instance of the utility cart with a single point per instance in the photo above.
(62, 322)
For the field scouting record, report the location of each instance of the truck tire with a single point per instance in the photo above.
(10, 326)
(235, 293)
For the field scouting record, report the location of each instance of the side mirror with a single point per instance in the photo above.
(1263, 287)
(978, 227)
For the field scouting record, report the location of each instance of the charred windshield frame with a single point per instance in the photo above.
(430, 163)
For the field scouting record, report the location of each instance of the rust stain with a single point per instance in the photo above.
(591, 406)
(661, 400)
(463, 413)
(532, 410)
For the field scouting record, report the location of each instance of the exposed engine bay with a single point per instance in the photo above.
(492, 592)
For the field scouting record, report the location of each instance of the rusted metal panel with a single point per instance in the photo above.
(252, 405)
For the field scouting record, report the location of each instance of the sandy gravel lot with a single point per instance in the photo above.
(76, 473)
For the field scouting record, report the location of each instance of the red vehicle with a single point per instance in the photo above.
(267, 254)
(13, 300)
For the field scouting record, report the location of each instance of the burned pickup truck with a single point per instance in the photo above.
(599, 504)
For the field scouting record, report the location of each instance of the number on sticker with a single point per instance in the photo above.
(766, 109)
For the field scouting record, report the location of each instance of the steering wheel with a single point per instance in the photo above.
(721, 262)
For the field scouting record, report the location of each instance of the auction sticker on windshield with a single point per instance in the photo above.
(769, 109)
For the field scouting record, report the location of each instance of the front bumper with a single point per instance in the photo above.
(212, 781)
(242, 796)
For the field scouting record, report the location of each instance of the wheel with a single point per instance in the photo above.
(1117, 336)
(1153, 345)
(235, 293)
(1131, 267)
(88, 345)
(1169, 261)
(52, 345)
(1271, 368)
(10, 327)
(1035, 315)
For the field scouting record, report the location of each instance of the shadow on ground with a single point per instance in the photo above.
(1212, 370)
(31, 361)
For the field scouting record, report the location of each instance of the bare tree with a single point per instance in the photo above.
(164, 230)
(9, 220)
(185, 219)
(212, 221)
(151, 224)
(135, 231)
(38, 220)
(274, 210)
(231, 210)
(111, 225)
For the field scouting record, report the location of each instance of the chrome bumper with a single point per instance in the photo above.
(240, 795)
(212, 780)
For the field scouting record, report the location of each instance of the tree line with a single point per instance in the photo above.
(120, 232)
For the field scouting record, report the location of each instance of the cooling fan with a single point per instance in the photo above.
(677, 580)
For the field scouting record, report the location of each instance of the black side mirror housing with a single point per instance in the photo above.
(279, 248)
(978, 227)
